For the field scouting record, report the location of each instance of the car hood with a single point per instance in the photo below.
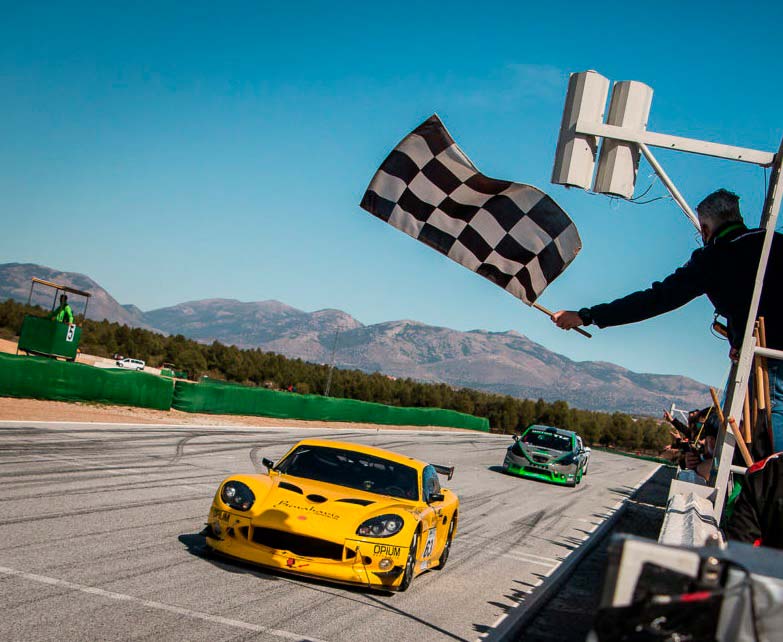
(316, 509)
(541, 455)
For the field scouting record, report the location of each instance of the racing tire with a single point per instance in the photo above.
(410, 564)
(584, 472)
(572, 484)
(444, 555)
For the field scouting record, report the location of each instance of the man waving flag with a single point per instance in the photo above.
(510, 233)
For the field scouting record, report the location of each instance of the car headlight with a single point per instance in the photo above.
(381, 526)
(237, 495)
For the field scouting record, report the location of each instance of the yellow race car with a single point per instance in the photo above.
(340, 511)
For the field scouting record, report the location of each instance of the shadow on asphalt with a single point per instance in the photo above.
(568, 616)
(499, 470)
(196, 544)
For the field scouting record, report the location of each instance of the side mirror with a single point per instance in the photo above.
(268, 463)
(435, 497)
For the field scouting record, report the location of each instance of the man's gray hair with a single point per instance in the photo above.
(720, 207)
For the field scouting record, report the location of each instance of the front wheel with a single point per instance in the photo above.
(410, 563)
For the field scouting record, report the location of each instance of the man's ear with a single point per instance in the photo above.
(705, 233)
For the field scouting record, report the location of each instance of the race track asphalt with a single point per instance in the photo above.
(99, 538)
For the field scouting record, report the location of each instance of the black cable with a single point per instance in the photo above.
(643, 194)
(652, 200)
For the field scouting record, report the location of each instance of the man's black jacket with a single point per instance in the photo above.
(724, 270)
(758, 514)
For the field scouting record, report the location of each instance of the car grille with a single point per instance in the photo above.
(298, 544)
(541, 459)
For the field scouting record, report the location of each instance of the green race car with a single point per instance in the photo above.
(550, 454)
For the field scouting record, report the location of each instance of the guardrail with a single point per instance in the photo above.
(690, 519)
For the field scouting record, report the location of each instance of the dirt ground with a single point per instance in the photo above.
(38, 410)
(7, 346)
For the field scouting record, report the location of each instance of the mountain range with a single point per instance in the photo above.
(503, 362)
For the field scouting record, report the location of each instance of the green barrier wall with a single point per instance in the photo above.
(217, 397)
(42, 378)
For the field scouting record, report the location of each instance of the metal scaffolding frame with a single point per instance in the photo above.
(736, 387)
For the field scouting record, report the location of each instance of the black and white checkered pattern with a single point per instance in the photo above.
(510, 233)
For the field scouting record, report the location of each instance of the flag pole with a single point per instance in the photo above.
(550, 314)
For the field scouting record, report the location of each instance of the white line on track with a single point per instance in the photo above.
(249, 428)
(497, 551)
(207, 617)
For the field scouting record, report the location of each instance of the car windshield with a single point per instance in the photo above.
(352, 470)
(546, 439)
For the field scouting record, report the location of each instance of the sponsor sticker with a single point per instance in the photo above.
(284, 503)
(222, 515)
(387, 550)
(430, 543)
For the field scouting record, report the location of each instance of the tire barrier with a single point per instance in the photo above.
(233, 399)
(43, 378)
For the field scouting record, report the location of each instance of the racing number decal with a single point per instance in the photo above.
(430, 543)
(70, 334)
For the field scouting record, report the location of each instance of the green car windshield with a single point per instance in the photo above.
(545, 439)
(353, 470)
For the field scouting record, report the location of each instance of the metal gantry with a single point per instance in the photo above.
(737, 385)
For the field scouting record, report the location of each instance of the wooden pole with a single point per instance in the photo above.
(718, 409)
(743, 448)
(747, 429)
(550, 314)
(758, 375)
(765, 371)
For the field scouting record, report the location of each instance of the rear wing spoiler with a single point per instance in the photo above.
(444, 470)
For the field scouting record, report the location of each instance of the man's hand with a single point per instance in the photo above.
(567, 319)
(705, 468)
(734, 354)
(692, 460)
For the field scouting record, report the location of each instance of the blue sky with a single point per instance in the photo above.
(177, 151)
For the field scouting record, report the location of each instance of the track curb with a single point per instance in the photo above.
(521, 615)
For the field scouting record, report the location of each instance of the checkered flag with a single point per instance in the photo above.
(510, 233)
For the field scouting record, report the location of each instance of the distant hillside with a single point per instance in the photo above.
(15, 284)
(502, 362)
